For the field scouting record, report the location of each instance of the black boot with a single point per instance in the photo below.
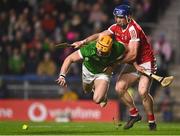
(152, 126)
(132, 120)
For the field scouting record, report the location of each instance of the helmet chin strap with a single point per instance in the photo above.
(128, 20)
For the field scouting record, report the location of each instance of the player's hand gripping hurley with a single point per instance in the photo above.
(165, 81)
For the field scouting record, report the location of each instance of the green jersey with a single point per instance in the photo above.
(96, 64)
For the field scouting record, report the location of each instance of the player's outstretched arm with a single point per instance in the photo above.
(93, 37)
(74, 57)
(132, 52)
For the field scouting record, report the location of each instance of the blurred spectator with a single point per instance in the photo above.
(46, 67)
(166, 105)
(69, 95)
(36, 43)
(46, 45)
(97, 16)
(164, 48)
(146, 5)
(32, 62)
(3, 89)
(23, 51)
(16, 62)
(48, 24)
(3, 23)
(33, 25)
(48, 6)
(163, 52)
(6, 52)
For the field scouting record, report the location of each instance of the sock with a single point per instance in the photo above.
(151, 118)
(133, 112)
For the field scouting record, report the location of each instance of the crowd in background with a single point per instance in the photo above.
(30, 28)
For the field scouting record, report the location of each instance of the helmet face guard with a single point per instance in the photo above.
(104, 45)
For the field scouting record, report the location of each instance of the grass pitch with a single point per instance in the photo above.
(50, 128)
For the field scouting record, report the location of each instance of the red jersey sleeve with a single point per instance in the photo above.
(112, 29)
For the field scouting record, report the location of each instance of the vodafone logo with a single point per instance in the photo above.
(6, 113)
(37, 112)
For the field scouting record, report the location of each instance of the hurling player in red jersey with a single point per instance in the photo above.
(140, 53)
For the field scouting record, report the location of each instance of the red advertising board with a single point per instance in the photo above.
(56, 110)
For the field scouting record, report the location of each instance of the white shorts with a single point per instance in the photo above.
(88, 77)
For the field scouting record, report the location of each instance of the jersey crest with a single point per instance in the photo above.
(133, 32)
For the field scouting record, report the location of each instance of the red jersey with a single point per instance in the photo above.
(134, 32)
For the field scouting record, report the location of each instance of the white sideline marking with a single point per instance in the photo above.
(43, 126)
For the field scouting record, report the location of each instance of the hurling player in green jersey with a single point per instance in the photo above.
(96, 56)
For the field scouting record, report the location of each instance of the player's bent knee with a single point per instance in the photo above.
(143, 94)
(120, 87)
